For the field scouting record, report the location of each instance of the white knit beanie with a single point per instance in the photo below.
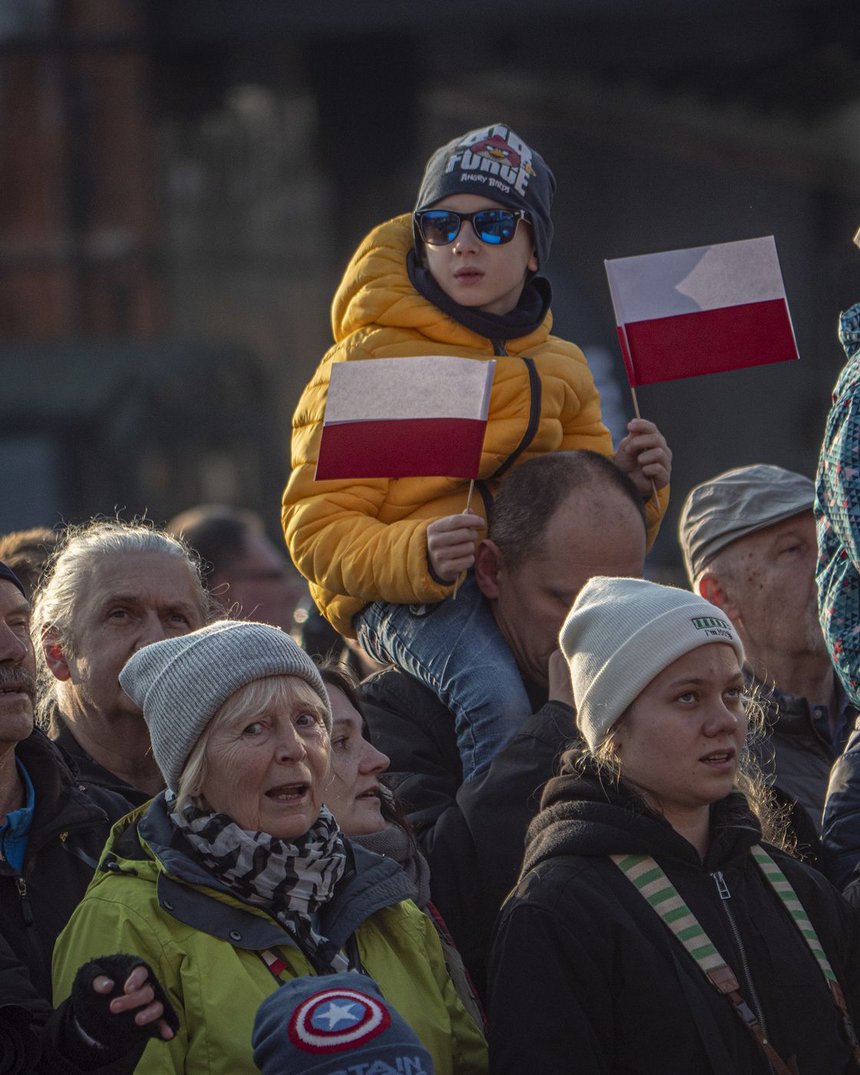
(621, 633)
(181, 683)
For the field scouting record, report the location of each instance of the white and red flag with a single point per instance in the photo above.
(681, 313)
(405, 417)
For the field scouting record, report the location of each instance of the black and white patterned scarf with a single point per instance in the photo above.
(291, 880)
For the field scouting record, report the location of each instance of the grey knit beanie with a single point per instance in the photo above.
(181, 683)
(621, 633)
(495, 163)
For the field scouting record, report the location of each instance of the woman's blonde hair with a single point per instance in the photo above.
(247, 703)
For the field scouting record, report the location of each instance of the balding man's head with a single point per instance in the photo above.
(559, 520)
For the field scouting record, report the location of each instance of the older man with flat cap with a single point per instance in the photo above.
(749, 544)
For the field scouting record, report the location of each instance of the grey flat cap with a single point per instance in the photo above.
(734, 504)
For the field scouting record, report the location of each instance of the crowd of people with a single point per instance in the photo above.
(493, 801)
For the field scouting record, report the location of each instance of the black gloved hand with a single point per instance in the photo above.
(116, 1033)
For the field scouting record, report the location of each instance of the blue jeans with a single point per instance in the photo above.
(454, 648)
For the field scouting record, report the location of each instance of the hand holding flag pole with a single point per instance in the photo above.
(623, 331)
(462, 574)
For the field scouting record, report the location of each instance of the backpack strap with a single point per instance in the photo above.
(664, 899)
(791, 901)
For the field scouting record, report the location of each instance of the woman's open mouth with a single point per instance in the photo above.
(287, 793)
(720, 758)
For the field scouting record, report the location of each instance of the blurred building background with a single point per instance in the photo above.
(183, 181)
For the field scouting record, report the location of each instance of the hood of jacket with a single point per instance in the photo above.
(586, 815)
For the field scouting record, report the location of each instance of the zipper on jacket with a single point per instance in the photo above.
(26, 909)
(725, 895)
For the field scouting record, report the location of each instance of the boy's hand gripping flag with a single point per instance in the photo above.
(704, 310)
(405, 417)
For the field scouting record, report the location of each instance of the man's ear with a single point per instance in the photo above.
(488, 565)
(55, 657)
(710, 587)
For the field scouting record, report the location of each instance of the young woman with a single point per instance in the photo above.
(650, 931)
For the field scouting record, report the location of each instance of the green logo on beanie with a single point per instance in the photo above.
(708, 623)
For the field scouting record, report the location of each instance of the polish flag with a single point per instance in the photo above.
(703, 310)
(405, 417)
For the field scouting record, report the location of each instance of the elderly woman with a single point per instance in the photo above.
(237, 878)
(648, 917)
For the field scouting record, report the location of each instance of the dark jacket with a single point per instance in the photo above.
(582, 967)
(841, 831)
(471, 834)
(90, 773)
(795, 754)
(68, 832)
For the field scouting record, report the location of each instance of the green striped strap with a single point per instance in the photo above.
(782, 887)
(652, 883)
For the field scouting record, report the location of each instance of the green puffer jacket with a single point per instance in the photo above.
(150, 898)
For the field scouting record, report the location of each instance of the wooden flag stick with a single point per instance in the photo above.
(462, 574)
(635, 402)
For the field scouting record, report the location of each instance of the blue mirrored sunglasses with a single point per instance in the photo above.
(438, 227)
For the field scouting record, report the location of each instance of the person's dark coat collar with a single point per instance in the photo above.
(90, 772)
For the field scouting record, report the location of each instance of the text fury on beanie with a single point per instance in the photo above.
(494, 163)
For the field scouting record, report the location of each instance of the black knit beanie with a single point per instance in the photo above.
(495, 163)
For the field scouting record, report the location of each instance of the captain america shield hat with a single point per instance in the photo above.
(325, 1026)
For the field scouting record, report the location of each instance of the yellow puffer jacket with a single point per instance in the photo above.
(359, 541)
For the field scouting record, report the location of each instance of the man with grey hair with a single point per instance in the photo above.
(749, 544)
(111, 588)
